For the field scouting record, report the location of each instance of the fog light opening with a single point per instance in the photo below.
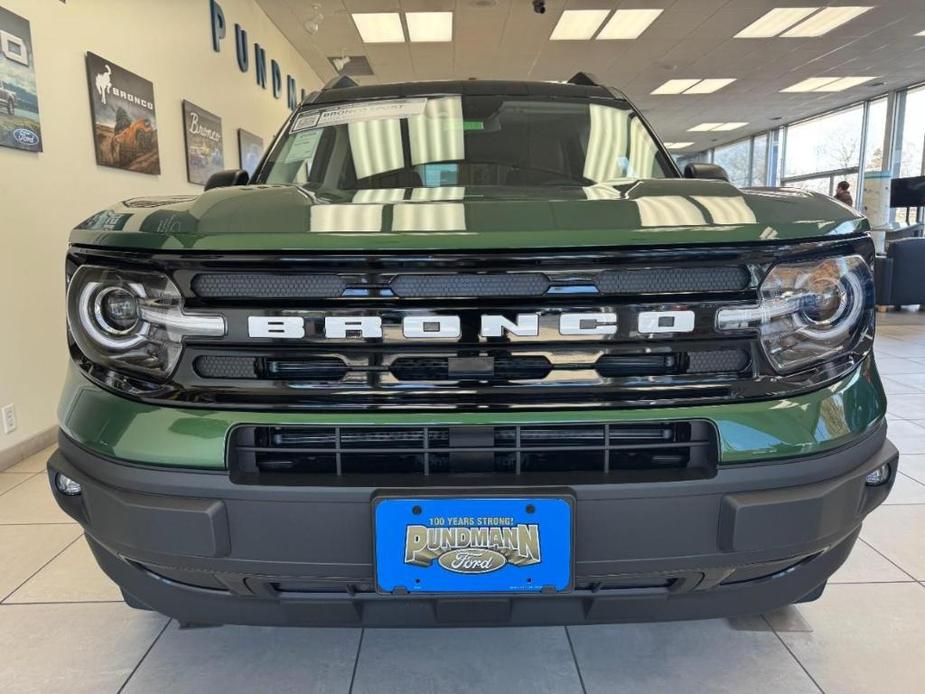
(66, 485)
(879, 476)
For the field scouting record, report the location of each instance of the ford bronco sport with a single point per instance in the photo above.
(471, 353)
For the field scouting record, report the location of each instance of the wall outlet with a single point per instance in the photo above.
(8, 415)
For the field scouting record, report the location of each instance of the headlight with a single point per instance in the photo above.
(808, 311)
(132, 321)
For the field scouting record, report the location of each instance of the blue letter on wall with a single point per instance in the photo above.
(218, 25)
(260, 65)
(277, 77)
(291, 93)
(240, 47)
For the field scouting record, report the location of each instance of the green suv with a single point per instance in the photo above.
(471, 353)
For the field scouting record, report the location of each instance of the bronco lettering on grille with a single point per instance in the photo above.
(448, 326)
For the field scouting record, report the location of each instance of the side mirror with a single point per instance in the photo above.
(231, 177)
(706, 171)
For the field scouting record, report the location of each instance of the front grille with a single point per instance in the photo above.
(603, 452)
(244, 285)
(484, 367)
(674, 280)
(535, 352)
(522, 284)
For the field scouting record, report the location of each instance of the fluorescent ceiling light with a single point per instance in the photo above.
(825, 21)
(810, 85)
(379, 27)
(921, 33)
(678, 145)
(715, 127)
(730, 126)
(578, 25)
(429, 26)
(844, 83)
(675, 86)
(692, 86)
(704, 127)
(709, 86)
(628, 24)
(774, 22)
(826, 84)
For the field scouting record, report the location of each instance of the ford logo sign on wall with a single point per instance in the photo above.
(472, 561)
(26, 137)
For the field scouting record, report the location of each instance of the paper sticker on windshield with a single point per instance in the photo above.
(303, 146)
(352, 113)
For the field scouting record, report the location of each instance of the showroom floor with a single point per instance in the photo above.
(63, 626)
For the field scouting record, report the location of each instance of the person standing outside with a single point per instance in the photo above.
(842, 194)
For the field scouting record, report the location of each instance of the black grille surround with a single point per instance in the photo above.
(471, 372)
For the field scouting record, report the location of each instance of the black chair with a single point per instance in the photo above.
(900, 274)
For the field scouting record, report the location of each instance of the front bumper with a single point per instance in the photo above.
(195, 546)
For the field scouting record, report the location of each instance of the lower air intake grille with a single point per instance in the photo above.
(352, 454)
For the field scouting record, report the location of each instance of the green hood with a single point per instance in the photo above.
(627, 213)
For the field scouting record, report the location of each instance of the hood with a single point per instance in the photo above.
(627, 213)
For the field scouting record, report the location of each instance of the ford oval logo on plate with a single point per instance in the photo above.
(27, 137)
(472, 561)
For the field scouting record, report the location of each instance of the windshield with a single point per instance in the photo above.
(464, 141)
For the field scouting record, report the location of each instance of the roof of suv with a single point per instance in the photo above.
(467, 87)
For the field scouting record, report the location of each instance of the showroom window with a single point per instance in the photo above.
(822, 151)
(876, 132)
(760, 160)
(912, 161)
(736, 159)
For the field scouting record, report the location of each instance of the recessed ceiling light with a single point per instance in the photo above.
(774, 22)
(678, 145)
(716, 127)
(578, 25)
(692, 86)
(675, 86)
(825, 21)
(429, 26)
(810, 85)
(379, 27)
(844, 83)
(921, 33)
(730, 126)
(704, 127)
(709, 86)
(628, 24)
(826, 84)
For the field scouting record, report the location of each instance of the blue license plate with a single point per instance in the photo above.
(430, 545)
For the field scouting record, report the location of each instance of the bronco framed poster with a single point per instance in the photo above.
(205, 153)
(124, 119)
(19, 104)
(250, 148)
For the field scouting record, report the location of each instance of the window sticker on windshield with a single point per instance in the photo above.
(351, 113)
(303, 146)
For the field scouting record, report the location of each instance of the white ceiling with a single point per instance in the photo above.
(505, 39)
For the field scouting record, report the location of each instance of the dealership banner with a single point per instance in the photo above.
(19, 104)
(124, 121)
(205, 154)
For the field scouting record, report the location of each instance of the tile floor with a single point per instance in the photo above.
(63, 626)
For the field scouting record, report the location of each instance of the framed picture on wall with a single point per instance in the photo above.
(205, 152)
(19, 104)
(250, 148)
(124, 119)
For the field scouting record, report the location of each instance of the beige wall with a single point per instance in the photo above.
(43, 195)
